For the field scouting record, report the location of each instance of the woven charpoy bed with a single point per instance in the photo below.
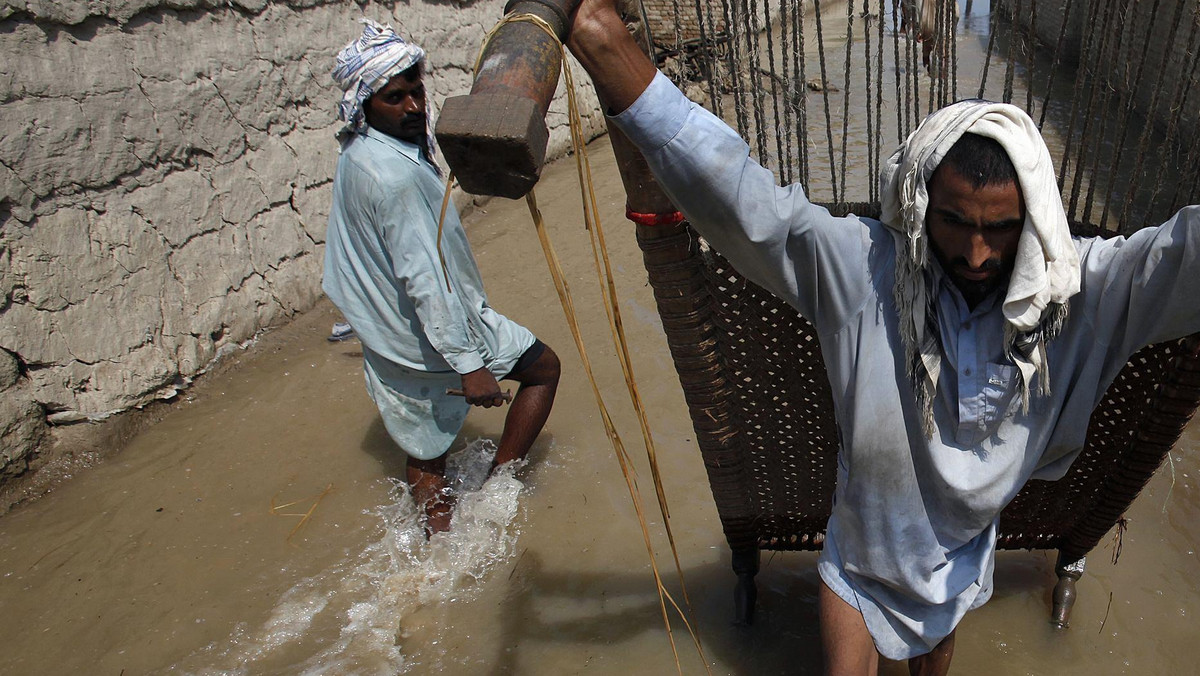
(755, 384)
(751, 367)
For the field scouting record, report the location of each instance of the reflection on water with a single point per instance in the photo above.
(365, 605)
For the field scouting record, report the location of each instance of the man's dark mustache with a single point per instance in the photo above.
(989, 264)
(413, 118)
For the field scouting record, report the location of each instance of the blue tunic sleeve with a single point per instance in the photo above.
(773, 235)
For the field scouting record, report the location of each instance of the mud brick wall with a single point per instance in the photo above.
(165, 171)
(663, 16)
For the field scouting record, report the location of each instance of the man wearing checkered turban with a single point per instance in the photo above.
(417, 303)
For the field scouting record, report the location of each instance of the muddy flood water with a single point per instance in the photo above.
(258, 528)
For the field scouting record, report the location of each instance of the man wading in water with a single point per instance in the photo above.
(422, 331)
(966, 334)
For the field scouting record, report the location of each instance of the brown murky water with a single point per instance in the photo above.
(179, 556)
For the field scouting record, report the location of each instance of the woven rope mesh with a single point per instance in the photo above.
(823, 91)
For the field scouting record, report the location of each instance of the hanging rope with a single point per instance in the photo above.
(1183, 91)
(779, 138)
(987, 57)
(901, 110)
(1058, 47)
(1077, 97)
(1011, 60)
(753, 75)
(841, 197)
(802, 94)
(878, 103)
(1030, 41)
(1096, 86)
(608, 291)
(825, 97)
(1146, 129)
(1124, 104)
(789, 104)
(872, 137)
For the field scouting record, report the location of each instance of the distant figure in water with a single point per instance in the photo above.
(423, 331)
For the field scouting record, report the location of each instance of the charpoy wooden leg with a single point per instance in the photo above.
(1064, 592)
(745, 593)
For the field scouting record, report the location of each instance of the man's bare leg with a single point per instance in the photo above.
(427, 479)
(849, 650)
(936, 662)
(530, 407)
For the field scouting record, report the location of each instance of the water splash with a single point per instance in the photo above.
(369, 595)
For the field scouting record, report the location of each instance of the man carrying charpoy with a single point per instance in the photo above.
(422, 331)
(967, 336)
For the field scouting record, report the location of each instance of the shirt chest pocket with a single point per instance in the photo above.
(982, 411)
(998, 392)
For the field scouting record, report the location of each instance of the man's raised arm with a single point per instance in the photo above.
(619, 68)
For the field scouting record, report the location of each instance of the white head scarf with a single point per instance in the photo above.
(1046, 273)
(367, 64)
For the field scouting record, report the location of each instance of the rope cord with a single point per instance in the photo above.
(1011, 59)
(1105, 109)
(942, 44)
(739, 104)
(1126, 102)
(936, 32)
(653, 49)
(878, 103)
(954, 53)
(802, 132)
(846, 97)
(987, 57)
(786, 164)
(901, 111)
(825, 98)
(608, 291)
(1146, 131)
(872, 137)
(707, 46)
(441, 222)
(1062, 38)
(1171, 139)
(774, 91)
(1087, 124)
(914, 71)
(1030, 41)
(752, 30)
(1077, 96)
(1180, 106)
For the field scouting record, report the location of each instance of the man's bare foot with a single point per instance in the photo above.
(438, 513)
(427, 479)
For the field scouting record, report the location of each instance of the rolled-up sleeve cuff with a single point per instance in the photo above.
(464, 362)
(656, 116)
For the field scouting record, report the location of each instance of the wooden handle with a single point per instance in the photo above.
(455, 392)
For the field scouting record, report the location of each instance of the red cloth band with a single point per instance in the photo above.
(669, 218)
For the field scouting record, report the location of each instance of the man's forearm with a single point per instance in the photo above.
(619, 68)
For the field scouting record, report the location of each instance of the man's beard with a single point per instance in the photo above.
(974, 291)
(413, 128)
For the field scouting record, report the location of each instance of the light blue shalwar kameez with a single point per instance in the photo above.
(911, 540)
(383, 273)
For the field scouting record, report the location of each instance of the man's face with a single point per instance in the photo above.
(398, 109)
(974, 231)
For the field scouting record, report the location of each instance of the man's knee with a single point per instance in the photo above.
(545, 370)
